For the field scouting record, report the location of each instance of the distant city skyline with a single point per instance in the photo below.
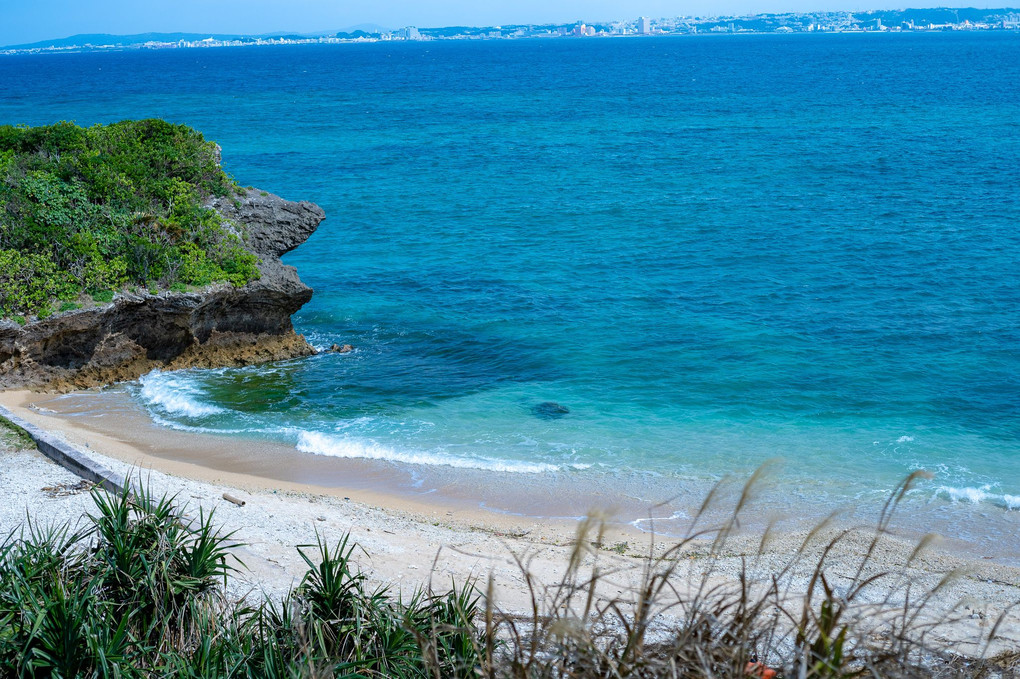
(24, 22)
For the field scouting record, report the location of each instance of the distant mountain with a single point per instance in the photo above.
(936, 15)
(141, 38)
(109, 39)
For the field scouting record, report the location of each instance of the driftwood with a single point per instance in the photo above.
(230, 498)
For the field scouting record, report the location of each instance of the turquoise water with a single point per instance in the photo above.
(647, 260)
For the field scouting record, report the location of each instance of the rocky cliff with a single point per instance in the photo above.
(137, 332)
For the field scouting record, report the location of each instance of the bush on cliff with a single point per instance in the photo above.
(84, 210)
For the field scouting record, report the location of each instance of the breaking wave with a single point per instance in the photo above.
(174, 396)
(333, 446)
(979, 495)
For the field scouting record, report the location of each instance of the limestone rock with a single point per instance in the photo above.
(218, 326)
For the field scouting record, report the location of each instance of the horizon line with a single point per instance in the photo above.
(383, 29)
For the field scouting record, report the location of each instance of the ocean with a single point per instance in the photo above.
(631, 264)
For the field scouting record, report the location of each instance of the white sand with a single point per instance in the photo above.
(405, 549)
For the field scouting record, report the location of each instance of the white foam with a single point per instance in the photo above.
(174, 396)
(905, 439)
(651, 521)
(980, 495)
(318, 443)
(966, 494)
(179, 426)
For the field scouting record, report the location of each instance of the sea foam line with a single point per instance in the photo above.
(333, 446)
(979, 495)
(174, 396)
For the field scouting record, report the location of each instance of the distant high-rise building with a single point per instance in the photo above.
(410, 33)
(644, 26)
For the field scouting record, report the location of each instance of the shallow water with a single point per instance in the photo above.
(705, 252)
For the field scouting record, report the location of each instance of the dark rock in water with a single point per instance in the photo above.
(344, 349)
(549, 410)
(218, 326)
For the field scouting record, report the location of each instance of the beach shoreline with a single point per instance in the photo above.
(140, 457)
(508, 503)
(409, 544)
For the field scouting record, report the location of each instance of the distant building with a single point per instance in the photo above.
(410, 33)
(644, 26)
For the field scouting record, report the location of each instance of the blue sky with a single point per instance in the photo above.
(23, 21)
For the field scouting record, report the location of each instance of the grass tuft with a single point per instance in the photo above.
(14, 436)
(141, 592)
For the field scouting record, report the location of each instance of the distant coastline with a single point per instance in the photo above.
(872, 21)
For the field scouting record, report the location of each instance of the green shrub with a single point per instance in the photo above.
(103, 296)
(196, 267)
(99, 208)
(140, 591)
(239, 265)
(28, 282)
(68, 306)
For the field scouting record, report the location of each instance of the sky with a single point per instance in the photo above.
(25, 21)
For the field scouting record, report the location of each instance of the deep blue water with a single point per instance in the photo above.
(711, 251)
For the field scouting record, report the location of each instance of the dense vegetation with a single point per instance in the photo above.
(141, 593)
(87, 211)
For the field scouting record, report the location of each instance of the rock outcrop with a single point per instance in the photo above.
(137, 332)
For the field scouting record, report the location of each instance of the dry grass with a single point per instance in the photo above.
(140, 594)
(686, 618)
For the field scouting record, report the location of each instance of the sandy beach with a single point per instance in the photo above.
(111, 421)
(412, 542)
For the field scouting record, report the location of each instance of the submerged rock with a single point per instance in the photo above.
(549, 410)
(342, 349)
(218, 326)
